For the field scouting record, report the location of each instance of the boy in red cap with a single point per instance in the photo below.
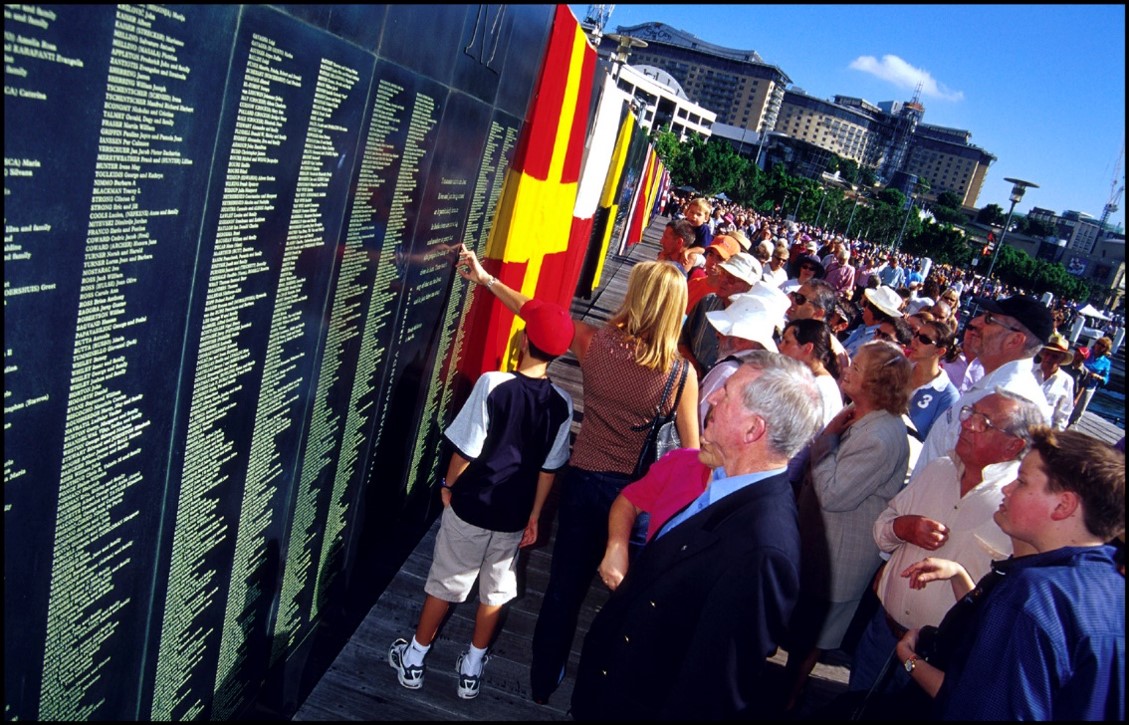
(509, 439)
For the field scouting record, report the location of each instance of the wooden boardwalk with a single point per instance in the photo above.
(360, 685)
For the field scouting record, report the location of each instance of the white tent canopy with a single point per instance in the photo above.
(1090, 311)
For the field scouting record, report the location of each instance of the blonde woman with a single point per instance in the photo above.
(625, 364)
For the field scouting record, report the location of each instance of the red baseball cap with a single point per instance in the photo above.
(548, 326)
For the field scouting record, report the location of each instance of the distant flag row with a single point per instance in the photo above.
(582, 184)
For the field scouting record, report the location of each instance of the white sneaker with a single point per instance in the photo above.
(468, 684)
(409, 676)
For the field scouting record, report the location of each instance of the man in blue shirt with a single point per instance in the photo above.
(915, 276)
(893, 275)
(1047, 641)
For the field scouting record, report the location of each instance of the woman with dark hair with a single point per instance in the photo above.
(808, 267)
(933, 392)
(858, 463)
(809, 341)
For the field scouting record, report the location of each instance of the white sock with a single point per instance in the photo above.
(414, 653)
(472, 661)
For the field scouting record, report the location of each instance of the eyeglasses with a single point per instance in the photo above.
(980, 422)
(798, 298)
(990, 319)
(880, 335)
(925, 340)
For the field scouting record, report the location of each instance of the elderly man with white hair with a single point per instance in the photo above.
(687, 630)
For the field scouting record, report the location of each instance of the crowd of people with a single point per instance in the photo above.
(853, 426)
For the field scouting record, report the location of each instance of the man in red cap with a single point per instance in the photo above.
(509, 440)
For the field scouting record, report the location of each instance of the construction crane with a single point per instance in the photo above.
(595, 20)
(1115, 192)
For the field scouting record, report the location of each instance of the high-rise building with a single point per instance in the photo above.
(751, 95)
(945, 157)
(661, 102)
(737, 85)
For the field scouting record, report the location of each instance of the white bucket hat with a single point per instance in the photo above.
(743, 266)
(775, 302)
(885, 299)
(746, 317)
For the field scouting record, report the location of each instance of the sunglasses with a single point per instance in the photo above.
(809, 267)
(925, 340)
(798, 298)
(880, 335)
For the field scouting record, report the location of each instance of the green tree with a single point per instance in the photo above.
(893, 197)
(1037, 227)
(1019, 268)
(946, 215)
(719, 167)
(867, 176)
(949, 200)
(942, 243)
(668, 148)
(993, 214)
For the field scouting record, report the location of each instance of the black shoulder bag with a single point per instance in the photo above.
(651, 448)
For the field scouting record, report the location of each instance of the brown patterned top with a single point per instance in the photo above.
(618, 393)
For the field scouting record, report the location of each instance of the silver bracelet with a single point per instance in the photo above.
(490, 284)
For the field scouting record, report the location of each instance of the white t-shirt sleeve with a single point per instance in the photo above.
(468, 430)
(558, 455)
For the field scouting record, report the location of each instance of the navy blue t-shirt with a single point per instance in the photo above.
(510, 429)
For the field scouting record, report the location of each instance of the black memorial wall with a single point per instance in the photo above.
(231, 323)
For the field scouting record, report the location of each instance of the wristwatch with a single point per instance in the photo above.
(910, 663)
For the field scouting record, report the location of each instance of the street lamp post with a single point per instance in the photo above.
(625, 44)
(1019, 186)
(854, 208)
(796, 214)
(822, 199)
(905, 220)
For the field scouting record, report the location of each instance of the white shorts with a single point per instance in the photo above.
(463, 552)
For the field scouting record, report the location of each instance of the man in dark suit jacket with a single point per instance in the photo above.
(687, 632)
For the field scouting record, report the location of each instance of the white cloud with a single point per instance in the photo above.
(900, 73)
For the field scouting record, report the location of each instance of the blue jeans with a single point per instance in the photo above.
(873, 650)
(582, 536)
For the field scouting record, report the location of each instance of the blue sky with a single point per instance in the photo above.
(1041, 87)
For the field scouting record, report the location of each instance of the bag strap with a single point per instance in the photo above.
(681, 385)
(654, 423)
